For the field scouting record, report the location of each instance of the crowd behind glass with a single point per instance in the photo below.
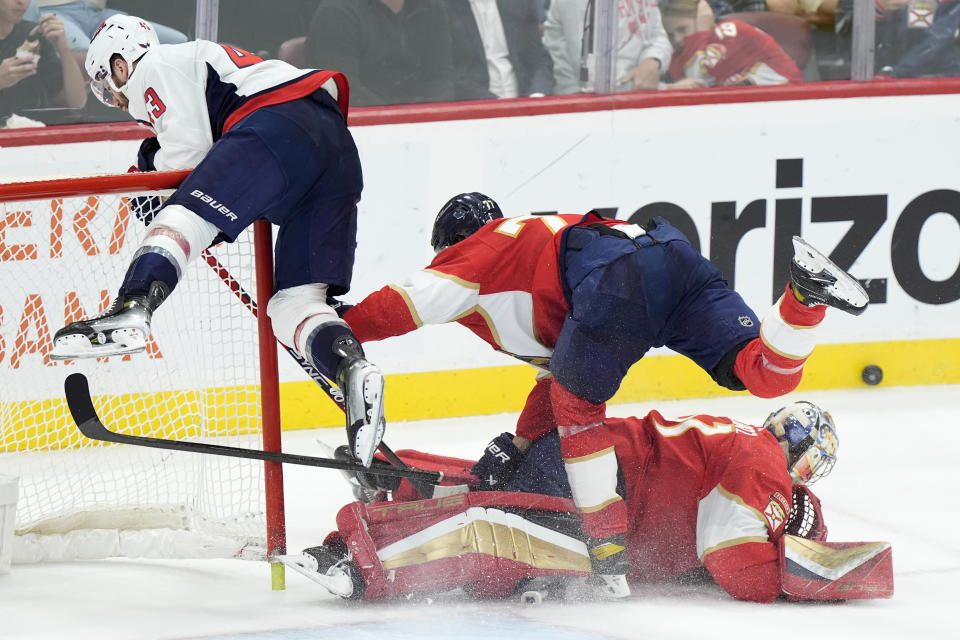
(419, 51)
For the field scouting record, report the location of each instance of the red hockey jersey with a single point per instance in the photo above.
(700, 491)
(704, 490)
(502, 283)
(734, 53)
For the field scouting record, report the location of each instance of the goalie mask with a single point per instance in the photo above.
(461, 217)
(808, 437)
(121, 35)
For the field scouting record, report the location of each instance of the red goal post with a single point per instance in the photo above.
(210, 372)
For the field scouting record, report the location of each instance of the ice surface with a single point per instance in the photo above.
(899, 451)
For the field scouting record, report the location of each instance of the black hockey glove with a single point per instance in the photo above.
(339, 306)
(499, 463)
(146, 154)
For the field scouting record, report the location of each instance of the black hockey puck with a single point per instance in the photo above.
(872, 374)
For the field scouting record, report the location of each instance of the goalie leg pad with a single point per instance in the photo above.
(486, 542)
(835, 570)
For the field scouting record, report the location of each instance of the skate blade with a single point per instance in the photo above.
(339, 584)
(845, 288)
(368, 436)
(78, 347)
(807, 257)
(366, 440)
(373, 386)
(610, 587)
(852, 294)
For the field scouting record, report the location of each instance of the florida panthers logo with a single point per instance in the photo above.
(713, 55)
(775, 514)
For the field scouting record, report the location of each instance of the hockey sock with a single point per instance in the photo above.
(772, 364)
(537, 419)
(320, 347)
(590, 461)
(148, 267)
(174, 238)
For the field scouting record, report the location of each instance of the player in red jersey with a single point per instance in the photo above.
(583, 298)
(702, 493)
(723, 54)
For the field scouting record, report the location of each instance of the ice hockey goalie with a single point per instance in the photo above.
(709, 498)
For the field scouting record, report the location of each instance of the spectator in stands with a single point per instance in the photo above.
(392, 51)
(82, 18)
(917, 38)
(821, 13)
(729, 53)
(722, 8)
(643, 50)
(497, 50)
(542, 6)
(37, 68)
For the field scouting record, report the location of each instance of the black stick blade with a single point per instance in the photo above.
(78, 398)
(77, 391)
(81, 408)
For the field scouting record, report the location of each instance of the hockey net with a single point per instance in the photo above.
(64, 249)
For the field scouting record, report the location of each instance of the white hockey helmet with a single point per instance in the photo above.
(808, 437)
(126, 36)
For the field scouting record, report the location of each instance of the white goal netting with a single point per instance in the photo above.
(62, 257)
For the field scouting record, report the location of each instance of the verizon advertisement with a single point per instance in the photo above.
(871, 182)
(866, 181)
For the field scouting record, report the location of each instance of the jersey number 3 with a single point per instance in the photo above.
(155, 106)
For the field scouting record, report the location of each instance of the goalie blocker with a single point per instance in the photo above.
(811, 570)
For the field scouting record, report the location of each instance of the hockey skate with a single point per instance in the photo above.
(121, 329)
(364, 486)
(335, 572)
(817, 280)
(612, 586)
(362, 386)
(608, 558)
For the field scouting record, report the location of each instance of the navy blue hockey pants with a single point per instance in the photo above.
(630, 295)
(296, 165)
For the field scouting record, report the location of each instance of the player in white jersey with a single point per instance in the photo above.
(264, 140)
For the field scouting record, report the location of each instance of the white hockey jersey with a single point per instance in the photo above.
(190, 94)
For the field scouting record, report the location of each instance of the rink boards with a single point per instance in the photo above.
(862, 179)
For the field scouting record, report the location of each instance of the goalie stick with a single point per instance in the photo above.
(77, 391)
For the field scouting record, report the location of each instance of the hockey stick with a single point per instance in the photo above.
(332, 392)
(248, 301)
(77, 391)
